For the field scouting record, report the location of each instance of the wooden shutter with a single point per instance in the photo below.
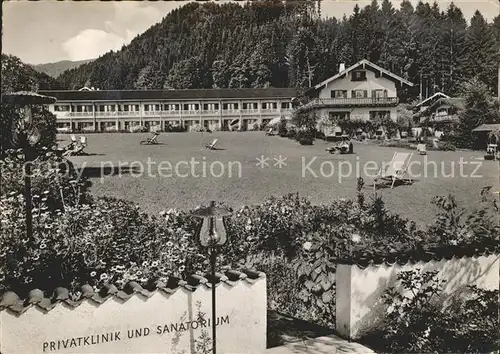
(353, 94)
(365, 93)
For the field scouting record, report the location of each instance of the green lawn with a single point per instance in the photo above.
(155, 193)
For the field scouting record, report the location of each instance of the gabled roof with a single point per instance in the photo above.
(363, 63)
(456, 102)
(137, 95)
(437, 94)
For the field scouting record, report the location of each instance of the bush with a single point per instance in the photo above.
(415, 323)
(52, 175)
(446, 146)
(305, 137)
(109, 241)
(282, 130)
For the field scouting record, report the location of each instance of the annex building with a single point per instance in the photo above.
(126, 110)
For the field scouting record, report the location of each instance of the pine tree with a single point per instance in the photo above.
(482, 51)
(453, 38)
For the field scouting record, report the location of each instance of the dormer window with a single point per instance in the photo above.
(359, 75)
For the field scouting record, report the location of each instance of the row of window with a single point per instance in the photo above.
(359, 94)
(347, 115)
(171, 107)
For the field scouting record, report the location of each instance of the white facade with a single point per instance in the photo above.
(80, 114)
(361, 92)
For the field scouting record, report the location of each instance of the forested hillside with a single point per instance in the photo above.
(18, 76)
(278, 44)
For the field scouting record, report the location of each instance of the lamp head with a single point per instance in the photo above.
(212, 232)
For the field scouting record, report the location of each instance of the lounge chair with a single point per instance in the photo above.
(422, 149)
(212, 145)
(396, 169)
(152, 140)
(270, 132)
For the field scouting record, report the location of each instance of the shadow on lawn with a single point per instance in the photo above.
(97, 172)
(383, 184)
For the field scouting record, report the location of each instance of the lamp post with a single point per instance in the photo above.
(212, 234)
(26, 136)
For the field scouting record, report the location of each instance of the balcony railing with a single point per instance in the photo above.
(126, 113)
(444, 117)
(339, 102)
(249, 111)
(224, 112)
(78, 114)
(264, 111)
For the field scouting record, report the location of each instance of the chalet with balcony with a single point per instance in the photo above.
(429, 101)
(363, 91)
(125, 110)
(442, 110)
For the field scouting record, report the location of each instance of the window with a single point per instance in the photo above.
(376, 115)
(137, 108)
(359, 75)
(337, 116)
(379, 93)
(359, 93)
(285, 105)
(249, 105)
(338, 93)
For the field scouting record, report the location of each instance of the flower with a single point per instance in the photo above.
(355, 238)
(93, 274)
(104, 276)
(307, 245)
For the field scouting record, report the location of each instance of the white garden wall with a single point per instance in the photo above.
(162, 321)
(359, 307)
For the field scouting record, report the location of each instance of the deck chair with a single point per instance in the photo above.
(422, 149)
(211, 146)
(270, 132)
(396, 169)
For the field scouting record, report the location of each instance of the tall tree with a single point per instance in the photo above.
(482, 47)
(481, 108)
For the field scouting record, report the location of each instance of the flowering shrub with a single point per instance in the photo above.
(110, 241)
(415, 323)
(51, 173)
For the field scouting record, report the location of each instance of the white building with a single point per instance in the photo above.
(363, 91)
(126, 110)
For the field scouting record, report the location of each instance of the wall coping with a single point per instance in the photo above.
(427, 253)
(11, 302)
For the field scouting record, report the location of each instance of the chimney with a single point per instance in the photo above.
(341, 67)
